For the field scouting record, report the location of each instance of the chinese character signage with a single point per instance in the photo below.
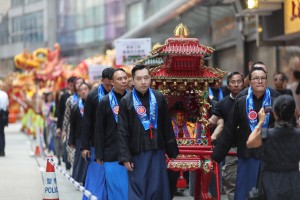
(291, 16)
(129, 51)
(95, 72)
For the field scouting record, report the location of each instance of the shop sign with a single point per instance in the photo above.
(129, 51)
(95, 72)
(291, 16)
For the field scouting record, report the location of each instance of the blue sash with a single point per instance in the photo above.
(75, 99)
(251, 114)
(220, 94)
(114, 103)
(141, 111)
(81, 106)
(101, 92)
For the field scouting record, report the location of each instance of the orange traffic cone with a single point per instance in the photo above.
(37, 151)
(50, 184)
(181, 182)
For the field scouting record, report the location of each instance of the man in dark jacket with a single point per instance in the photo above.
(241, 122)
(106, 137)
(145, 133)
(95, 180)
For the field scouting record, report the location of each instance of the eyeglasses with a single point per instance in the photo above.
(256, 79)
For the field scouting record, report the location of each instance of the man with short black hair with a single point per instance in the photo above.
(258, 64)
(95, 180)
(241, 122)
(221, 112)
(145, 133)
(106, 140)
(280, 79)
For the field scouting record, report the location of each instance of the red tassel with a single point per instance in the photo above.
(151, 136)
(181, 182)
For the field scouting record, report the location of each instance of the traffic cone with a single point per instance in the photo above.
(37, 151)
(50, 184)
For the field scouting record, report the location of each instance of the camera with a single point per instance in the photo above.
(268, 109)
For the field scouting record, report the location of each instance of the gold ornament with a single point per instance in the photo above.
(181, 31)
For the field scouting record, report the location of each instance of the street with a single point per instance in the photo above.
(21, 172)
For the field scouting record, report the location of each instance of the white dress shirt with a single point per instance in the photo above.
(4, 102)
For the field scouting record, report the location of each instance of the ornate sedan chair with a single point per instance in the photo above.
(178, 71)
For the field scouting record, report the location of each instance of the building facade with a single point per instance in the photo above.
(25, 24)
(87, 28)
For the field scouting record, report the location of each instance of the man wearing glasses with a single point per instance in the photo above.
(241, 122)
(273, 92)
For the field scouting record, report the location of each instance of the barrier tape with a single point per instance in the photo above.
(76, 184)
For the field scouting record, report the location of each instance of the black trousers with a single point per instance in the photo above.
(2, 138)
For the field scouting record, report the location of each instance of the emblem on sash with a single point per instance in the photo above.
(252, 115)
(116, 110)
(141, 110)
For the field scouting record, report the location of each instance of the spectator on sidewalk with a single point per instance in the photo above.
(4, 102)
(58, 144)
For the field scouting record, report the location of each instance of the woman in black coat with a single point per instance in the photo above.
(281, 146)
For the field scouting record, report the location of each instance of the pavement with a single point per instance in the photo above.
(22, 173)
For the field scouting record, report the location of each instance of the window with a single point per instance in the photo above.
(89, 16)
(4, 34)
(28, 28)
(31, 1)
(17, 24)
(17, 3)
(158, 5)
(99, 16)
(99, 33)
(89, 35)
(89, 21)
(135, 15)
